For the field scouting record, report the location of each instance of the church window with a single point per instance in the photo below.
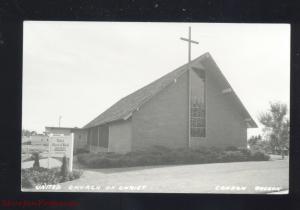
(198, 104)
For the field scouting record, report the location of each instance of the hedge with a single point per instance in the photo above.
(161, 156)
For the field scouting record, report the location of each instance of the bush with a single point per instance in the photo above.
(231, 148)
(75, 175)
(36, 159)
(246, 152)
(32, 177)
(81, 150)
(159, 155)
(64, 169)
(233, 156)
(259, 156)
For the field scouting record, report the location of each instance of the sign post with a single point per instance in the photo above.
(71, 152)
(49, 153)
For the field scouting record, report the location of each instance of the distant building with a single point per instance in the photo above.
(80, 136)
(39, 139)
(26, 139)
(181, 109)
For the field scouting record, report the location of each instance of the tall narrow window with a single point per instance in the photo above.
(198, 104)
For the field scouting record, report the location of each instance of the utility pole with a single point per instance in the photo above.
(59, 120)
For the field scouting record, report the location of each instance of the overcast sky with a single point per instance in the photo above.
(79, 69)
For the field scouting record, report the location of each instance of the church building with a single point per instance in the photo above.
(192, 106)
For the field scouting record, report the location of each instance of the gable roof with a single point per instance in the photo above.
(124, 108)
(47, 128)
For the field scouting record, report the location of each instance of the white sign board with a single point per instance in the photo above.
(62, 145)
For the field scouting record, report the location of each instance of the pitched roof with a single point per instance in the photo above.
(61, 128)
(124, 108)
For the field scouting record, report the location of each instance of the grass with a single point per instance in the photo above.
(195, 178)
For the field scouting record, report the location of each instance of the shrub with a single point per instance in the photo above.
(27, 181)
(75, 175)
(259, 156)
(159, 155)
(37, 176)
(64, 169)
(231, 148)
(246, 152)
(158, 149)
(48, 177)
(81, 150)
(232, 156)
(36, 159)
(34, 176)
(215, 149)
(83, 157)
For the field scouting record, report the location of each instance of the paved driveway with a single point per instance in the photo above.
(241, 177)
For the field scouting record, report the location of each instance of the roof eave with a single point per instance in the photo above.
(251, 123)
(125, 118)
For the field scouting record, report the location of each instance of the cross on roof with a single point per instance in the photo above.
(189, 40)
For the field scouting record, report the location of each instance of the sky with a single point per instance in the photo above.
(79, 69)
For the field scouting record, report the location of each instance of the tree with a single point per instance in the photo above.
(33, 133)
(276, 127)
(256, 143)
(25, 132)
(28, 133)
(254, 140)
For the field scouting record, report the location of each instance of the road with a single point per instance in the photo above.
(238, 177)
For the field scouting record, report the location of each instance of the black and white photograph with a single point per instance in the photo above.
(155, 107)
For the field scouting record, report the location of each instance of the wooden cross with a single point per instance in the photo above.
(189, 40)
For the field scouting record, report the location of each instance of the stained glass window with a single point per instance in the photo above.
(198, 106)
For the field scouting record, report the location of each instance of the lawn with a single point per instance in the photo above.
(237, 177)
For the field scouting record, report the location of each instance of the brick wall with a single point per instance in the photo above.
(163, 119)
(225, 122)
